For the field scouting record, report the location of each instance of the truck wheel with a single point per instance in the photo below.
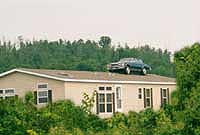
(128, 70)
(110, 71)
(144, 71)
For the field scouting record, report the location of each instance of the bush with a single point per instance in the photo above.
(71, 116)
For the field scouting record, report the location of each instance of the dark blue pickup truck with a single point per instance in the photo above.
(128, 65)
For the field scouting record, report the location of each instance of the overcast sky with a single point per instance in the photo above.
(169, 24)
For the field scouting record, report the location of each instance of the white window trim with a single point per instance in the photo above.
(148, 97)
(102, 102)
(142, 95)
(40, 90)
(106, 103)
(166, 94)
(117, 109)
(4, 95)
(42, 84)
(105, 92)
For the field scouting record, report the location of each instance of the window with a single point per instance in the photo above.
(42, 86)
(102, 103)
(108, 88)
(101, 88)
(109, 102)
(119, 97)
(7, 93)
(43, 96)
(1, 94)
(105, 103)
(105, 99)
(148, 98)
(139, 93)
(42, 93)
(1, 91)
(164, 94)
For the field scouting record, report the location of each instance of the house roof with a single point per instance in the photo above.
(88, 76)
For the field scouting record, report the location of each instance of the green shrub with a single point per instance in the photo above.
(71, 116)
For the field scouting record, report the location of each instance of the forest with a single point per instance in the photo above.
(79, 55)
(180, 117)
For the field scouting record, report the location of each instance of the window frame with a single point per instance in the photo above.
(150, 97)
(102, 102)
(108, 89)
(101, 89)
(109, 102)
(166, 98)
(1, 94)
(140, 93)
(105, 92)
(42, 90)
(4, 94)
(42, 84)
(120, 98)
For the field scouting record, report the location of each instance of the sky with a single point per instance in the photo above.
(166, 24)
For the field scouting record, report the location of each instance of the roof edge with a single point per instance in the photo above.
(83, 80)
(31, 73)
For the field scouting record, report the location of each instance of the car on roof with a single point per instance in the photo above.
(128, 65)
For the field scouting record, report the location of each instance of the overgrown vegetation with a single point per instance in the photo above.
(63, 117)
(79, 55)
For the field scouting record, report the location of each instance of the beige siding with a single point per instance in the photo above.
(24, 83)
(130, 101)
(74, 90)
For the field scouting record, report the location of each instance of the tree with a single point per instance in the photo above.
(187, 62)
(105, 41)
(79, 55)
(164, 125)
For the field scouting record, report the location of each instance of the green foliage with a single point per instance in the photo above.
(79, 55)
(164, 125)
(69, 115)
(95, 124)
(118, 120)
(88, 102)
(147, 121)
(31, 132)
(105, 41)
(29, 98)
(64, 118)
(59, 131)
(13, 119)
(133, 122)
(187, 63)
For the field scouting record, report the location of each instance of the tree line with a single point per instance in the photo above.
(80, 55)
